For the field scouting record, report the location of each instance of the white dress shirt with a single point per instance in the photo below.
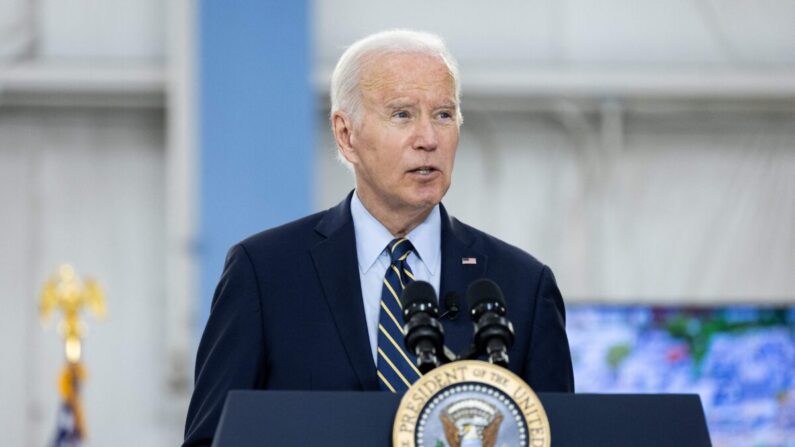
(371, 241)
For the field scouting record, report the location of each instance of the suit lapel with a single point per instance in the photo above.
(336, 263)
(461, 264)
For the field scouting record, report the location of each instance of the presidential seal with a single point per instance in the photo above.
(470, 404)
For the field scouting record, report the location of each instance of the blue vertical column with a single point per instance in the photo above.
(255, 117)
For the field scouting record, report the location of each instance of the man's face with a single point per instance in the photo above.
(403, 144)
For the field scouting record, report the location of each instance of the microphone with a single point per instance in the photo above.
(451, 305)
(493, 332)
(424, 334)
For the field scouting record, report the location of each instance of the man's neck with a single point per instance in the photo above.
(398, 222)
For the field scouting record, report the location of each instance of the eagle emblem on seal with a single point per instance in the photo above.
(471, 423)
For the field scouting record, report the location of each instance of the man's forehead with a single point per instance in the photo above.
(406, 72)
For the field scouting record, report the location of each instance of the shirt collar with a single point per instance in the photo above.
(372, 237)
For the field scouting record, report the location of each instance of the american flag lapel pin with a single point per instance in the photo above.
(469, 261)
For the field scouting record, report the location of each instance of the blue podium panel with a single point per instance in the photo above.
(344, 419)
(306, 418)
(613, 420)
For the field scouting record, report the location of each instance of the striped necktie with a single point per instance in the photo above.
(395, 367)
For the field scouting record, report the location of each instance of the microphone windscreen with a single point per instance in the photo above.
(484, 291)
(418, 292)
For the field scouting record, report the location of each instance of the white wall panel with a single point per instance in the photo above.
(85, 186)
(16, 30)
(91, 30)
(684, 33)
(639, 33)
(476, 31)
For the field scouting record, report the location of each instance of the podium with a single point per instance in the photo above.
(337, 419)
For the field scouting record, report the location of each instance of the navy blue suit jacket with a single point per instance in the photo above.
(288, 314)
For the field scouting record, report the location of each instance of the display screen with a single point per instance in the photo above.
(739, 359)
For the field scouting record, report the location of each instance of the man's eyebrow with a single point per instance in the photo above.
(399, 104)
(403, 103)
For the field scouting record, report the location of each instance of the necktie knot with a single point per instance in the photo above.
(399, 249)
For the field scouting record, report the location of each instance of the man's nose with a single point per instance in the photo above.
(426, 137)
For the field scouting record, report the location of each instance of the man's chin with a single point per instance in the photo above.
(426, 202)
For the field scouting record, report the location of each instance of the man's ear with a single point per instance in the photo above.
(342, 127)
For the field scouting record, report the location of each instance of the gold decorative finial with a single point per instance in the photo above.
(65, 291)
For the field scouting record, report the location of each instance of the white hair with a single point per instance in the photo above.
(346, 96)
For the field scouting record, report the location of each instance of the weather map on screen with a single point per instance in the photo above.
(739, 359)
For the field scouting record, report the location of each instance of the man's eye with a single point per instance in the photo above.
(445, 115)
(401, 114)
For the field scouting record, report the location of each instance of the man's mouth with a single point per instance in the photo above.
(423, 170)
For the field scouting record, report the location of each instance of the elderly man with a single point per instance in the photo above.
(314, 304)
